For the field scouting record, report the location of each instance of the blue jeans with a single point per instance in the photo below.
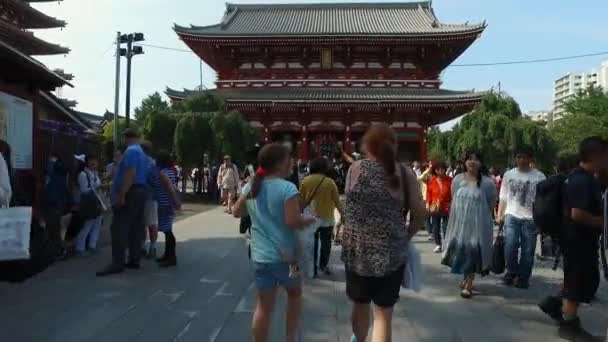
(520, 234)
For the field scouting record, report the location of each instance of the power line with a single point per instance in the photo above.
(525, 61)
(166, 48)
(531, 61)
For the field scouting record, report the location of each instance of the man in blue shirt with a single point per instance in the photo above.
(128, 195)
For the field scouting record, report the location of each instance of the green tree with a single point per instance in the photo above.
(153, 104)
(108, 130)
(194, 138)
(234, 135)
(160, 130)
(572, 128)
(592, 101)
(495, 128)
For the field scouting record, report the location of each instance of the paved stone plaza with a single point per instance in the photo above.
(210, 297)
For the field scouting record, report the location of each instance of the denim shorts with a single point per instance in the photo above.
(271, 275)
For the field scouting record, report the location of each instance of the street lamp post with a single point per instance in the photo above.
(129, 52)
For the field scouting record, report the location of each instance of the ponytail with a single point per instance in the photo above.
(269, 159)
(387, 157)
(256, 185)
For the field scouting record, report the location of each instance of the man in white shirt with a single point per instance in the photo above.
(517, 194)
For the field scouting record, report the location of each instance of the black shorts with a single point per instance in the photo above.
(383, 291)
(581, 272)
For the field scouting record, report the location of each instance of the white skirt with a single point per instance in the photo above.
(151, 213)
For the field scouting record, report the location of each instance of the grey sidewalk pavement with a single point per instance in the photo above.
(210, 297)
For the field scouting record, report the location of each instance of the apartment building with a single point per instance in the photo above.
(570, 84)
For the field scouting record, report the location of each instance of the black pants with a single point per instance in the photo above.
(128, 227)
(439, 225)
(324, 234)
(52, 217)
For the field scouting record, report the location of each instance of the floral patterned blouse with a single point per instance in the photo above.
(375, 231)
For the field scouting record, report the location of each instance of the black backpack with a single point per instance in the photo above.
(548, 208)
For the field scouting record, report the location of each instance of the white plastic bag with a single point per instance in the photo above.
(306, 237)
(413, 277)
(15, 227)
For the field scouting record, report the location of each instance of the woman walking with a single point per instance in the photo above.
(167, 201)
(438, 198)
(274, 207)
(89, 185)
(468, 245)
(322, 193)
(378, 192)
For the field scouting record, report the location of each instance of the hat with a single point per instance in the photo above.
(80, 157)
(130, 133)
(226, 157)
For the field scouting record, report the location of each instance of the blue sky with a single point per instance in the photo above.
(518, 29)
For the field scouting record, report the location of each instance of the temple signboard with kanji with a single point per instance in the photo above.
(319, 74)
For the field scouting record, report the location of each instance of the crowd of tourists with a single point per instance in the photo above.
(480, 220)
(467, 210)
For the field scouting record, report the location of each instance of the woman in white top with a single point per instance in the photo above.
(88, 180)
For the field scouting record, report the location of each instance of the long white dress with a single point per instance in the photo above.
(470, 231)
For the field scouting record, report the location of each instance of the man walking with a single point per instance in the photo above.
(517, 193)
(582, 228)
(129, 195)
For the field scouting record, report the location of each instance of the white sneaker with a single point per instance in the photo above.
(430, 238)
(437, 249)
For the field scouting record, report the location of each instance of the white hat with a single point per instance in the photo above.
(80, 157)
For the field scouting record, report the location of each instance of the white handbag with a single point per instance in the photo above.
(15, 227)
(413, 277)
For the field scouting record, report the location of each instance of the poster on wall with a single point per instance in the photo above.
(16, 128)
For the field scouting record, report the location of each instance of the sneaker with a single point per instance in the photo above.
(430, 238)
(437, 249)
(572, 330)
(552, 306)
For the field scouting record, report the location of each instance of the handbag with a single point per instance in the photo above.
(90, 206)
(413, 275)
(15, 228)
(498, 255)
(245, 224)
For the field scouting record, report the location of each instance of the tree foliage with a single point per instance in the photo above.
(196, 127)
(193, 138)
(160, 130)
(496, 128)
(587, 115)
(108, 130)
(153, 104)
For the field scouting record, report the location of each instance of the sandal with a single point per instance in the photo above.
(466, 293)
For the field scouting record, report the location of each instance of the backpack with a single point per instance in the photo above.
(548, 208)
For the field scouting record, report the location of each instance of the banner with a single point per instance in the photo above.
(16, 128)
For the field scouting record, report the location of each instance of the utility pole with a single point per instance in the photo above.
(201, 74)
(116, 92)
(129, 52)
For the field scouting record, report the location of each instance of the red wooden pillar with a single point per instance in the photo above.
(347, 141)
(266, 135)
(304, 143)
(423, 145)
